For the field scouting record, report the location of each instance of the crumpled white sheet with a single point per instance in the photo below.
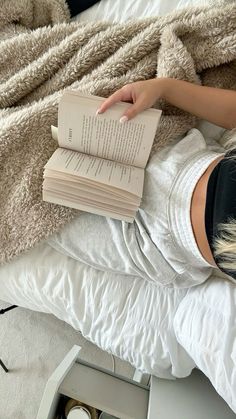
(122, 314)
(121, 11)
(163, 331)
(205, 324)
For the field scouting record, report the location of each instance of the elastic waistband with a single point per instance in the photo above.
(180, 204)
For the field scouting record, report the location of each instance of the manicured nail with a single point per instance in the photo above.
(123, 119)
(98, 112)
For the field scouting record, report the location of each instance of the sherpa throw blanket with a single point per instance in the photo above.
(41, 54)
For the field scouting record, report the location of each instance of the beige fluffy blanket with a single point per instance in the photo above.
(38, 62)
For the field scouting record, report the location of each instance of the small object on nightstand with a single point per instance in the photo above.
(79, 412)
(75, 409)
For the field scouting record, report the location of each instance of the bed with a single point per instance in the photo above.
(165, 332)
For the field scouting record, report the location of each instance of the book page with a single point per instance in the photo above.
(96, 169)
(52, 177)
(84, 206)
(104, 136)
(97, 199)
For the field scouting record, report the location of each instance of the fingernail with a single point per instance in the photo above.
(97, 112)
(123, 119)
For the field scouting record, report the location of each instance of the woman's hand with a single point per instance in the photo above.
(217, 106)
(143, 94)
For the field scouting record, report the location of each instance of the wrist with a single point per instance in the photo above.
(164, 86)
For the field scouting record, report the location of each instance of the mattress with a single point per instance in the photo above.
(165, 332)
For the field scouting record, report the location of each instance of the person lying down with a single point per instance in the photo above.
(186, 224)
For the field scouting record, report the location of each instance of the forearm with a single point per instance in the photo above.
(214, 105)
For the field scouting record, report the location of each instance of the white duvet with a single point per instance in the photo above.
(165, 332)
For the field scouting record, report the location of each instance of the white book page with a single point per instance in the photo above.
(77, 192)
(111, 173)
(91, 185)
(82, 189)
(92, 200)
(84, 206)
(104, 136)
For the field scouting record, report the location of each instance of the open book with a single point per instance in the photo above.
(99, 165)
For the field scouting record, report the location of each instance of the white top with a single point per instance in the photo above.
(166, 204)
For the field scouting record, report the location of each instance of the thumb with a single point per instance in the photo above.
(131, 112)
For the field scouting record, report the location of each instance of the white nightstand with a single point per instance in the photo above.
(192, 397)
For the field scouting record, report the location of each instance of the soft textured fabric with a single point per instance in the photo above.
(17, 15)
(159, 246)
(36, 66)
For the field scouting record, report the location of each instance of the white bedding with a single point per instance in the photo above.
(121, 10)
(166, 332)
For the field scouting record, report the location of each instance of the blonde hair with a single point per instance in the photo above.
(225, 242)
